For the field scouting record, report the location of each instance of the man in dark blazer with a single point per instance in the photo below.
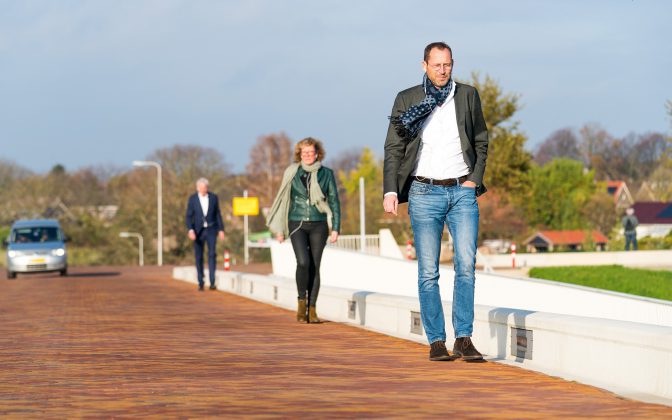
(435, 154)
(204, 222)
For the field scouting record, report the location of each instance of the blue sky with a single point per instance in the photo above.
(88, 83)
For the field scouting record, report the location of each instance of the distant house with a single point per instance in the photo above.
(104, 213)
(569, 240)
(655, 218)
(621, 194)
(645, 193)
(58, 210)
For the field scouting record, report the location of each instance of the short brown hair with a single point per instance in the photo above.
(438, 45)
(309, 141)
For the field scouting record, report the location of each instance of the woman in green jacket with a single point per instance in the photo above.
(304, 210)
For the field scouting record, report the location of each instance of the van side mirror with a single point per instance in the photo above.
(5, 243)
(66, 238)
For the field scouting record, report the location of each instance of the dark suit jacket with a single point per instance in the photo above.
(401, 154)
(195, 216)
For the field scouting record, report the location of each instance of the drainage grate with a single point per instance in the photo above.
(352, 309)
(416, 323)
(233, 283)
(521, 343)
(275, 292)
(251, 287)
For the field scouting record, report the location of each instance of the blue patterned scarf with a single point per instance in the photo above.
(408, 124)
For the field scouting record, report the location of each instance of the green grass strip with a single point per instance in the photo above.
(649, 283)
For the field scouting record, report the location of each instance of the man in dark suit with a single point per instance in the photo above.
(204, 221)
(435, 154)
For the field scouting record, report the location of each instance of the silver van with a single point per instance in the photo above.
(36, 246)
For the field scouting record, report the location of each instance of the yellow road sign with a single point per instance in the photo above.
(245, 206)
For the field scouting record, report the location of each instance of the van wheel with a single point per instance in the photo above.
(11, 275)
(64, 272)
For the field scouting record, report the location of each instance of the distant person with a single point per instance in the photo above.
(435, 153)
(630, 224)
(204, 221)
(304, 210)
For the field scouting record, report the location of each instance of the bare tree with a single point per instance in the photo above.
(182, 165)
(645, 154)
(346, 160)
(269, 157)
(561, 143)
(594, 141)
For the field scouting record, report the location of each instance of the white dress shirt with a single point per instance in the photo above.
(205, 202)
(440, 155)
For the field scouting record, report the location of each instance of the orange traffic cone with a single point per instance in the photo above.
(227, 261)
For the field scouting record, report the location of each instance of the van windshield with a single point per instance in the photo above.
(36, 234)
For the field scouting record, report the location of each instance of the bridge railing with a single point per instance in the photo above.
(354, 243)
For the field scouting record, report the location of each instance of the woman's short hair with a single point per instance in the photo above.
(309, 141)
(203, 181)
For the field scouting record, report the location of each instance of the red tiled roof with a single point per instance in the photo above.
(614, 183)
(616, 189)
(653, 212)
(571, 237)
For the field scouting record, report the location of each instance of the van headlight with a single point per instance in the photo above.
(12, 254)
(58, 252)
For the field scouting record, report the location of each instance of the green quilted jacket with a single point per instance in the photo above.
(300, 209)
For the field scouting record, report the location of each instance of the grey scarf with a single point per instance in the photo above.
(278, 216)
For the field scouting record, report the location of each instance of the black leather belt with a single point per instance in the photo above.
(445, 182)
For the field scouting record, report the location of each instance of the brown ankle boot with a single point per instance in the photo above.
(312, 316)
(301, 311)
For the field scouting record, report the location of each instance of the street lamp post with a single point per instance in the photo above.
(362, 216)
(141, 246)
(159, 245)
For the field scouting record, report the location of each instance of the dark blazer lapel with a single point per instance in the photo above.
(197, 204)
(461, 114)
(210, 205)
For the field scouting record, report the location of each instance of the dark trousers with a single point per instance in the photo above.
(308, 242)
(208, 236)
(630, 238)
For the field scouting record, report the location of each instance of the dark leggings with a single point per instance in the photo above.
(308, 242)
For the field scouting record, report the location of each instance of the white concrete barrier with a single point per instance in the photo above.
(633, 360)
(352, 270)
(550, 259)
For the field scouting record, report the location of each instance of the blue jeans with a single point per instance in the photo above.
(430, 207)
(630, 238)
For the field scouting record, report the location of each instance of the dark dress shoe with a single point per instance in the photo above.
(200, 287)
(465, 349)
(213, 287)
(438, 352)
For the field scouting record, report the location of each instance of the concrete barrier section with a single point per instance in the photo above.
(550, 259)
(632, 359)
(357, 271)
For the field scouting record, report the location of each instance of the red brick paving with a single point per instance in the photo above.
(130, 343)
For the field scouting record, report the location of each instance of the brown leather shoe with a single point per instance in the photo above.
(465, 349)
(301, 311)
(438, 352)
(312, 316)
